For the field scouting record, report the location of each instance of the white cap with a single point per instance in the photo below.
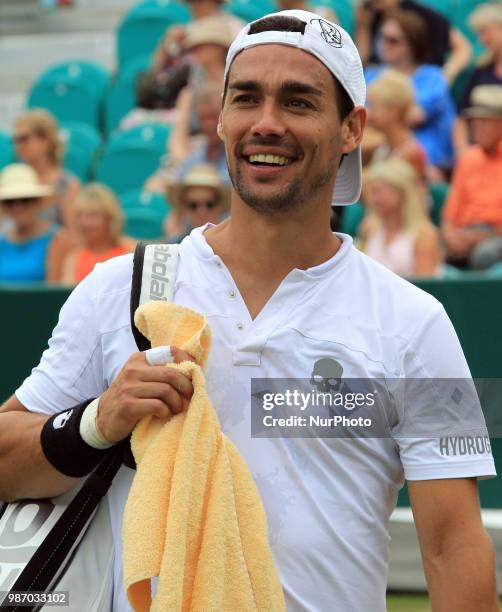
(330, 44)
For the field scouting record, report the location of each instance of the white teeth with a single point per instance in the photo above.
(277, 160)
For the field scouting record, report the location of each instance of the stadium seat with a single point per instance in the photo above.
(120, 96)
(82, 143)
(438, 192)
(144, 25)
(143, 224)
(343, 9)
(250, 10)
(351, 219)
(145, 200)
(131, 156)
(6, 150)
(494, 271)
(72, 91)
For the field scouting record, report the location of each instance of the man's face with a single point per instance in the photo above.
(487, 132)
(281, 128)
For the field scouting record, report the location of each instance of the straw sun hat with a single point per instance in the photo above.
(201, 175)
(19, 181)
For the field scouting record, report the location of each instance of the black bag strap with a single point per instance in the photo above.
(44, 566)
(142, 343)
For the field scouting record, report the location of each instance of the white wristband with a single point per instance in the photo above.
(89, 430)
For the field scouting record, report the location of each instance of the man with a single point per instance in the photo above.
(472, 216)
(285, 298)
(448, 47)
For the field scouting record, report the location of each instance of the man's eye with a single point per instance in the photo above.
(297, 103)
(244, 98)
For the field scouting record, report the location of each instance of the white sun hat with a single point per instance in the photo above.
(331, 45)
(19, 181)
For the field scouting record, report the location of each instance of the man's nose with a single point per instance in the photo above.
(269, 120)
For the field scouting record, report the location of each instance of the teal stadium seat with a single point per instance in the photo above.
(250, 10)
(144, 25)
(438, 192)
(72, 91)
(351, 218)
(343, 9)
(143, 224)
(6, 150)
(82, 143)
(120, 96)
(145, 200)
(131, 156)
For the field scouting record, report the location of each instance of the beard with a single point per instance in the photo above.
(293, 196)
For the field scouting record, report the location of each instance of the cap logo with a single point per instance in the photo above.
(331, 35)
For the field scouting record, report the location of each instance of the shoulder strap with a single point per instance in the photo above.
(43, 570)
(153, 276)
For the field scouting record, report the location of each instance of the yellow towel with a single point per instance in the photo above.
(193, 517)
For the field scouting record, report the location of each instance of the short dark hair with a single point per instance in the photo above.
(281, 23)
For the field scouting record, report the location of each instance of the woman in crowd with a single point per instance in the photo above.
(486, 21)
(200, 198)
(404, 47)
(33, 248)
(396, 230)
(37, 142)
(390, 101)
(99, 222)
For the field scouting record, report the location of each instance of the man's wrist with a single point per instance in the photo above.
(89, 430)
(64, 447)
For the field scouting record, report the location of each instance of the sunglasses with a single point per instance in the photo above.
(194, 205)
(21, 138)
(391, 40)
(15, 201)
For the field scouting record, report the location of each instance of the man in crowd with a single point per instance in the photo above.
(283, 295)
(472, 216)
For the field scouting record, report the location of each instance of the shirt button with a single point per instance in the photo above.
(232, 293)
(240, 326)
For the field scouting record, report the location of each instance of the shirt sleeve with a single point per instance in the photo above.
(431, 90)
(441, 431)
(71, 368)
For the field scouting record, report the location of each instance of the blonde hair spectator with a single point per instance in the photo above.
(394, 88)
(100, 223)
(397, 231)
(41, 123)
(485, 15)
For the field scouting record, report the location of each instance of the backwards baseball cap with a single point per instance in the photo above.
(331, 45)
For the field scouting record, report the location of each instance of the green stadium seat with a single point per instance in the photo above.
(250, 10)
(6, 150)
(494, 271)
(351, 219)
(145, 200)
(343, 9)
(143, 224)
(438, 192)
(72, 91)
(130, 157)
(120, 96)
(144, 25)
(82, 143)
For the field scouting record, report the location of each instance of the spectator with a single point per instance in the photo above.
(185, 151)
(472, 216)
(33, 249)
(390, 100)
(397, 231)
(486, 21)
(200, 198)
(156, 98)
(447, 45)
(99, 224)
(201, 9)
(37, 142)
(404, 47)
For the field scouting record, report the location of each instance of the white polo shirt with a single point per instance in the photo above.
(328, 501)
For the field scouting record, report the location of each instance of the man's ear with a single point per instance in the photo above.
(353, 129)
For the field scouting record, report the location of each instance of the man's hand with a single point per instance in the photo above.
(141, 390)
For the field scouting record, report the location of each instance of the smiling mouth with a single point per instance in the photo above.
(268, 160)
